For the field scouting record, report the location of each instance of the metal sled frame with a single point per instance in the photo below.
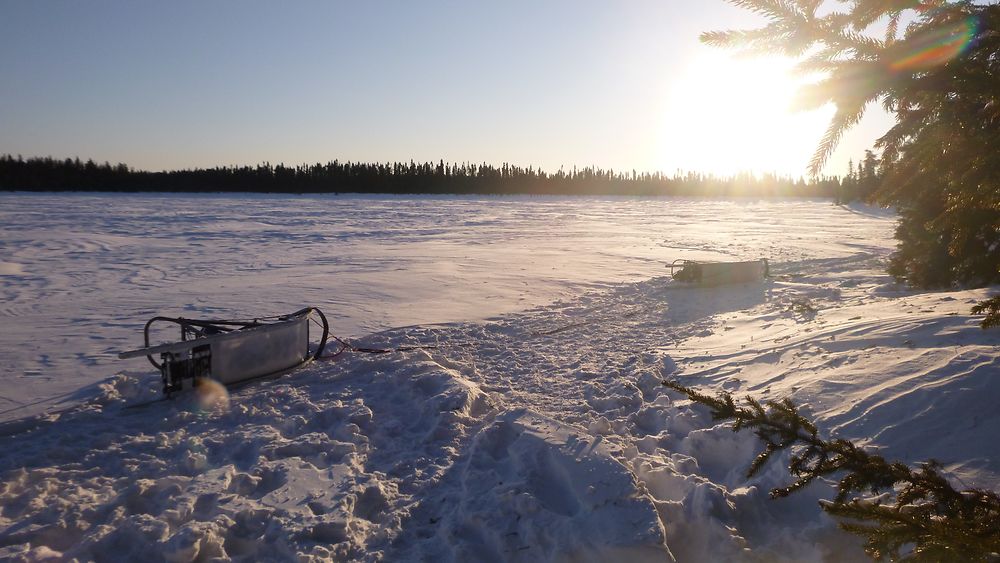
(232, 351)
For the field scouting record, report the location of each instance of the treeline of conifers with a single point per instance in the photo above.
(51, 174)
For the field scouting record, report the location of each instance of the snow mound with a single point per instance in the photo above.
(537, 490)
(325, 463)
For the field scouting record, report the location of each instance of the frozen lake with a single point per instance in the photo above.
(81, 273)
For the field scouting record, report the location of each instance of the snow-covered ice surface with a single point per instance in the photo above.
(80, 274)
(532, 426)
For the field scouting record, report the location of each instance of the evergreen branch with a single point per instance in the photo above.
(771, 9)
(892, 28)
(826, 59)
(842, 120)
(772, 37)
(990, 308)
(914, 515)
(866, 12)
(859, 42)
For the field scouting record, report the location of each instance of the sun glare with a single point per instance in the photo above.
(726, 114)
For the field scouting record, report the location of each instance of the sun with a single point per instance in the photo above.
(726, 114)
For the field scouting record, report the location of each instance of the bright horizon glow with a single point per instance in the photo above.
(552, 84)
(731, 114)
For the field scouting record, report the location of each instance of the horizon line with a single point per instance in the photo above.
(678, 173)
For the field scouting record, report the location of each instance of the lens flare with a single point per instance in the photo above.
(211, 395)
(936, 46)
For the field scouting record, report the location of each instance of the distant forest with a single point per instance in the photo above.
(50, 174)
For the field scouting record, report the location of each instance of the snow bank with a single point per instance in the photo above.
(910, 373)
(536, 490)
(325, 463)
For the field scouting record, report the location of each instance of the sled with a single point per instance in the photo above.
(719, 273)
(231, 351)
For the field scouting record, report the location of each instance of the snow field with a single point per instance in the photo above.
(542, 434)
(539, 436)
(82, 273)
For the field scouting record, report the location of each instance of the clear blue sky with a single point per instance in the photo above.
(622, 84)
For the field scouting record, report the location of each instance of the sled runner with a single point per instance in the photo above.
(230, 351)
(719, 273)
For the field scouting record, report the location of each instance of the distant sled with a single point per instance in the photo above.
(232, 351)
(719, 273)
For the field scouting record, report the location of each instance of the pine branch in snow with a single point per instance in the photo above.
(990, 308)
(904, 514)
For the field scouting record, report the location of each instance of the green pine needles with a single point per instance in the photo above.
(990, 308)
(903, 514)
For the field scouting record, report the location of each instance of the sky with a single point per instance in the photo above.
(559, 83)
